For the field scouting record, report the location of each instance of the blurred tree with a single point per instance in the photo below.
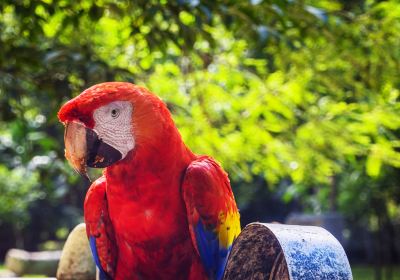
(297, 96)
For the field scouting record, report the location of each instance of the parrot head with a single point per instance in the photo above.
(106, 123)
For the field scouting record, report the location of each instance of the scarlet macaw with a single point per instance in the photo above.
(159, 211)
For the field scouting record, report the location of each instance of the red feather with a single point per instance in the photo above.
(142, 194)
(99, 226)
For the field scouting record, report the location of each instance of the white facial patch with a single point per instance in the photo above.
(113, 125)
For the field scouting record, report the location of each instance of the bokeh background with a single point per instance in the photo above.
(298, 100)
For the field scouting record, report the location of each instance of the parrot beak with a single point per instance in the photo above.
(75, 147)
(83, 148)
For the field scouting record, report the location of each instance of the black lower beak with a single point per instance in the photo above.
(84, 148)
(99, 153)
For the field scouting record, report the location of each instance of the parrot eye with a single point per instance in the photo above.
(115, 113)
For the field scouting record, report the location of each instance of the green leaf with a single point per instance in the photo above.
(373, 165)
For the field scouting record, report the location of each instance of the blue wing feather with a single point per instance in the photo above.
(103, 274)
(212, 255)
(214, 220)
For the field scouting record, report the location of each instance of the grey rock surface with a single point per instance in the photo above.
(76, 261)
(22, 262)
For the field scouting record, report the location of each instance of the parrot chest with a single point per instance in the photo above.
(151, 228)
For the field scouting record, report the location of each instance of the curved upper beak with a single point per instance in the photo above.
(83, 148)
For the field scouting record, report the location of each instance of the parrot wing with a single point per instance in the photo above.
(213, 216)
(100, 230)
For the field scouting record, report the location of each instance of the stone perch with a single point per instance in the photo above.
(286, 252)
(76, 261)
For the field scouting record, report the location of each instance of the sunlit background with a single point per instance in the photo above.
(298, 100)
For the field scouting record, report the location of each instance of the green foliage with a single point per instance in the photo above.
(367, 273)
(303, 94)
(18, 188)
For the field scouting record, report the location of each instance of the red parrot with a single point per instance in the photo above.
(159, 211)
